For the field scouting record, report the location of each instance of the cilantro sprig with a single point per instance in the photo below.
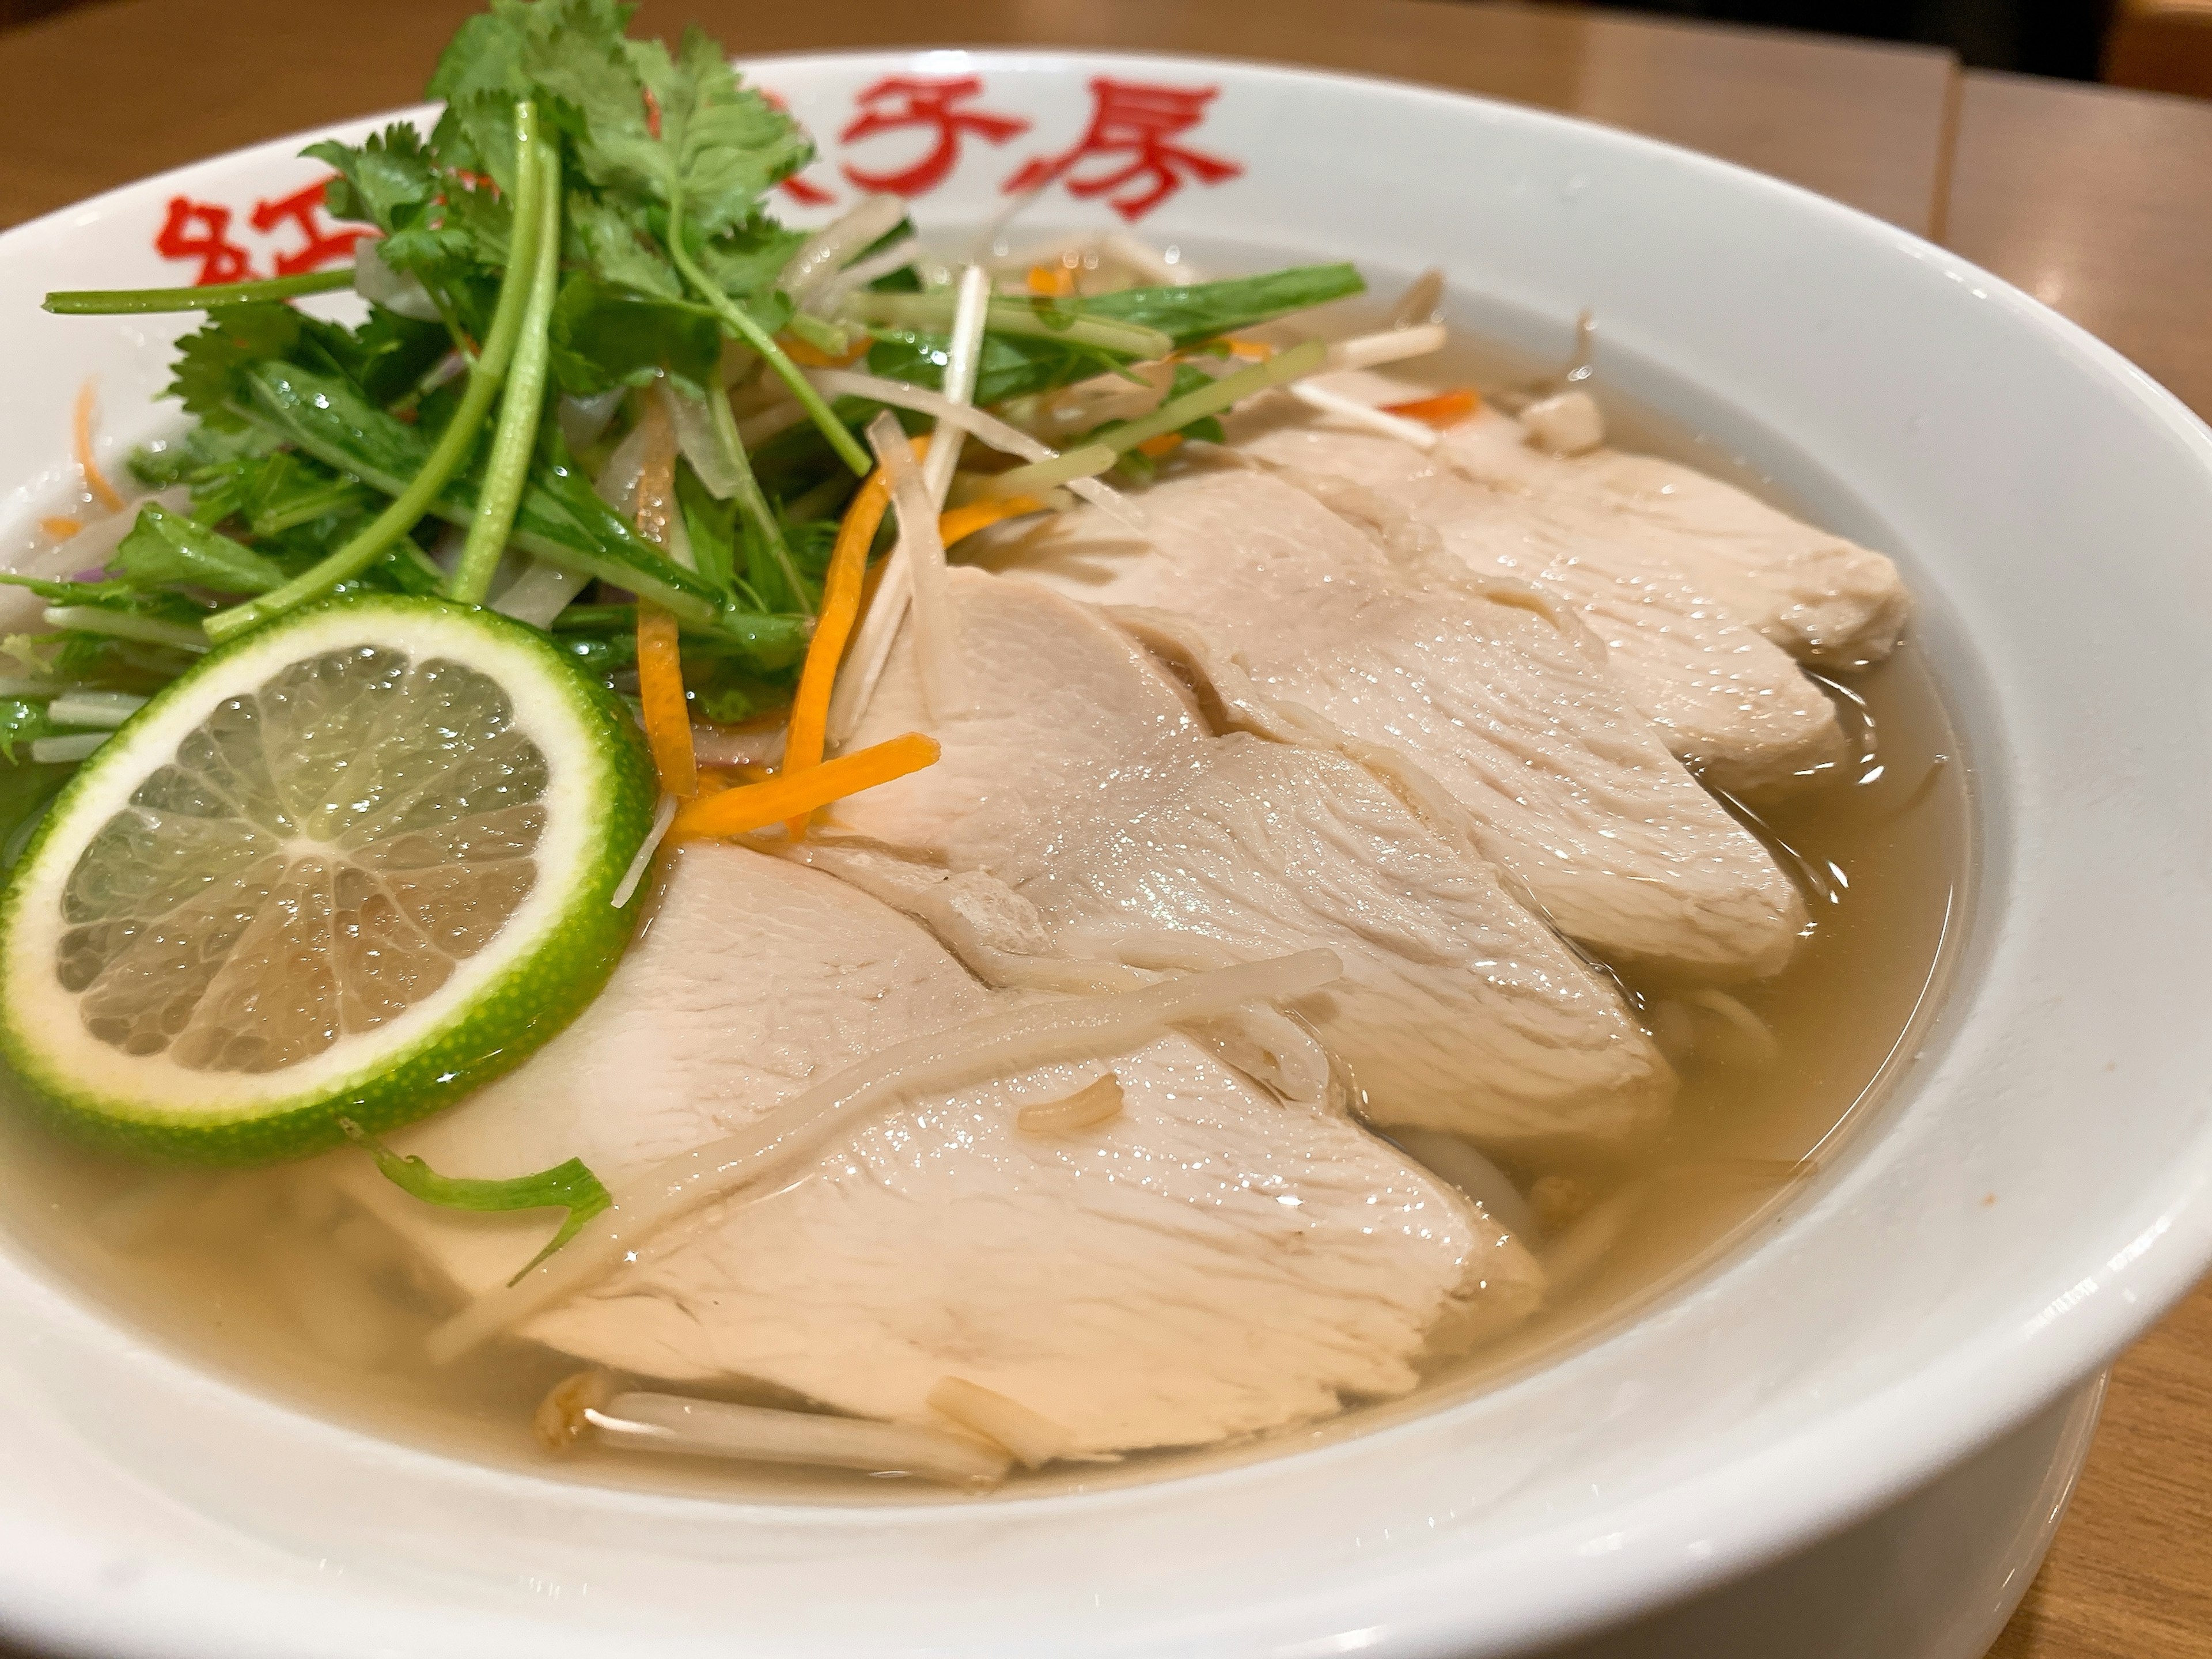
(588, 217)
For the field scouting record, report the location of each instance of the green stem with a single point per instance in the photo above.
(125, 625)
(1036, 321)
(516, 438)
(1173, 416)
(750, 500)
(123, 302)
(733, 316)
(460, 436)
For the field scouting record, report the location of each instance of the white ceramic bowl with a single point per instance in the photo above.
(2034, 1197)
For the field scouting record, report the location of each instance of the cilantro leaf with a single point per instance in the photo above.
(166, 547)
(606, 336)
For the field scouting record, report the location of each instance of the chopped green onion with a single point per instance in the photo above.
(74, 747)
(1171, 416)
(460, 436)
(124, 302)
(125, 625)
(570, 1186)
(1087, 461)
(523, 402)
(749, 499)
(105, 709)
(1040, 322)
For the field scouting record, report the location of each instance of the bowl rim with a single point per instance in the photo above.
(1993, 1377)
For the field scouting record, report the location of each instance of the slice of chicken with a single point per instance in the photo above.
(1674, 602)
(1083, 779)
(1210, 1261)
(1333, 602)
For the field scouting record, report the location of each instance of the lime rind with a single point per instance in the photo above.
(541, 969)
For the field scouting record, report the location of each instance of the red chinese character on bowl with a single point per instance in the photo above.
(900, 102)
(1132, 123)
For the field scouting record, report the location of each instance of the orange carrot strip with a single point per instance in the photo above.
(841, 598)
(756, 806)
(812, 356)
(61, 529)
(833, 630)
(94, 480)
(660, 689)
(1253, 350)
(1051, 281)
(981, 515)
(1445, 409)
(659, 649)
(1156, 448)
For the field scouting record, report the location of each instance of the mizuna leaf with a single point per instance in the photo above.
(570, 1186)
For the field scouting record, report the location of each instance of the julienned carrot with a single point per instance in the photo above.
(61, 529)
(808, 356)
(833, 630)
(95, 481)
(660, 689)
(756, 806)
(1055, 281)
(1156, 448)
(1445, 409)
(964, 521)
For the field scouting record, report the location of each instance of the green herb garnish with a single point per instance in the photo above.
(569, 1186)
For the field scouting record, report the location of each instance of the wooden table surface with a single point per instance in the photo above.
(2099, 203)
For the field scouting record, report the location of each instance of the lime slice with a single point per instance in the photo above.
(352, 866)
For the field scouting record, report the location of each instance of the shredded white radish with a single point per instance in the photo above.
(642, 1421)
(697, 442)
(663, 815)
(871, 650)
(1030, 1436)
(539, 594)
(1366, 414)
(583, 419)
(50, 750)
(1422, 301)
(399, 292)
(105, 709)
(1146, 262)
(1000, 435)
(1091, 1104)
(1392, 345)
(996, 1044)
(936, 627)
(963, 354)
(616, 484)
(824, 254)
(833, 292)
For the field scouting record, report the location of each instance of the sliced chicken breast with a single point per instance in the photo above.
(1681, 628)
(1209, 1262)
(1333, 602)
(1083, 779)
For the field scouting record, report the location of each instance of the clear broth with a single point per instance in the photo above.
(271, 1278)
